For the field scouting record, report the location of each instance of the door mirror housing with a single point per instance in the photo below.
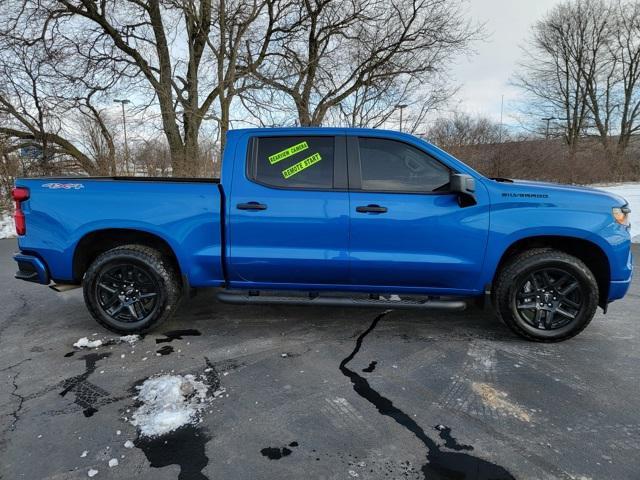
(465, 186)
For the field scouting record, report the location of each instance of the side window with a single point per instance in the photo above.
(294, 162)
(392, 166)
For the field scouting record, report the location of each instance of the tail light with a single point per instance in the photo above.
(19, 195)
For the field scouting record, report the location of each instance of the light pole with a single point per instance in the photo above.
(401, 107)
(124, 126)
(548, 119)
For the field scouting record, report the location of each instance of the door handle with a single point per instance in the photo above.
(371, 209)
(251, 206)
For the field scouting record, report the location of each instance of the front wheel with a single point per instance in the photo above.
(131, 289)
(546, 295)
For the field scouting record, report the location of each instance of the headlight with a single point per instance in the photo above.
(621, 215)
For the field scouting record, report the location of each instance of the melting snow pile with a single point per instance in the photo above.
(168, 403)
(631, 192)
(7, 227)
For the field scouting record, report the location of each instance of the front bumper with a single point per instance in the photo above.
(31, 269)
(619, 288)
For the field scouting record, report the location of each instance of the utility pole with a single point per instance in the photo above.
(501, 117)
(401, 107)
(548, 120)
(124, 126)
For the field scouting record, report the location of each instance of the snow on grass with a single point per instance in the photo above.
(630, 192)
(168, 403)
(7, 227)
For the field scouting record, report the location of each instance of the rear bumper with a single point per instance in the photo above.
(31, 269)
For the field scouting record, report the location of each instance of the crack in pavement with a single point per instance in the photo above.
(16, 411)
(15, 414)
(440, 464)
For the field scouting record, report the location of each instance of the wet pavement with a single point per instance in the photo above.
(317, 393)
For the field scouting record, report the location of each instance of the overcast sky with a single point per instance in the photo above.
(485, 76)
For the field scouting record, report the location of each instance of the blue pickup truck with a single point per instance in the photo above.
(329, 216)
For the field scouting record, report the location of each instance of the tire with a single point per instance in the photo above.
(545, 295)
(131, 289)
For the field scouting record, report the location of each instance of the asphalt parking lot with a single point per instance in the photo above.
(318, 393)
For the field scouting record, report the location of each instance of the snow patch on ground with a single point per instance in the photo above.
(130, 339)
(84, 342)
(168, 403)
(7, 227)
(631, 193)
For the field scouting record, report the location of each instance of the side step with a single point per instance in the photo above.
(64, 287)
(423, 304)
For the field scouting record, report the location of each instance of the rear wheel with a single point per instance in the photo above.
(131, 288)
(546, 295)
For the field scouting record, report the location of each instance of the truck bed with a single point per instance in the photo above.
(183, 213)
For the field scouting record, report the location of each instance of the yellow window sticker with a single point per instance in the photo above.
(301, 165)
(276, 157)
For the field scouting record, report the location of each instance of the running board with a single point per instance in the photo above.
(63, 287)
(427, 304)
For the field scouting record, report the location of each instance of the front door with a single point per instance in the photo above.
(289, 213)
(406, 229)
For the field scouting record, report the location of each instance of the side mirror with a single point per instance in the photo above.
(465, 186)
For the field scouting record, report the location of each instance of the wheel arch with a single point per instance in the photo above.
(97, 242)
(589, 252)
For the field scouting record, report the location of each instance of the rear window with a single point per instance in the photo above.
(294, 162)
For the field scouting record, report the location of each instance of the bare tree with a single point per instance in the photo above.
(180, 55)
(464, 130)
(340, 50)
(627, 52)
(242, 34)
(583, 73)
(560, 64)
(97, 141)
(34, 108)
(376, 105)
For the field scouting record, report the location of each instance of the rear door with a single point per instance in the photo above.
(289, 212)
(407, 230)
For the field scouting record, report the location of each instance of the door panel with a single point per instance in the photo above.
(289, 233)
(421, 241)
(415, 237)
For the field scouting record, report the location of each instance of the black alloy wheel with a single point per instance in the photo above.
(127, 292)
(549, 298)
